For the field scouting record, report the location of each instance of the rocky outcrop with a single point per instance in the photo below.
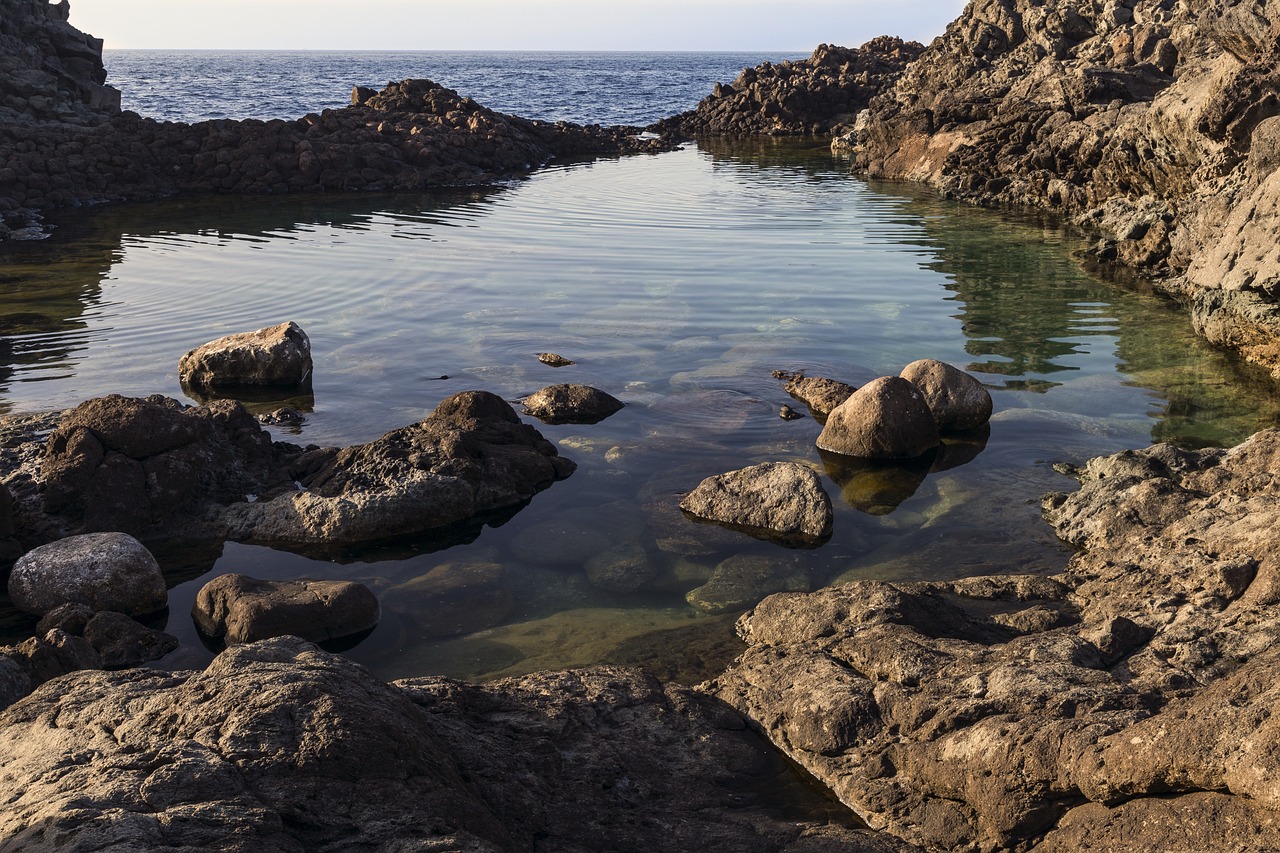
(773, 500)
(1021, 712)
(814, 95)
(64, 141)
(240, 609)
(1150, 123)
(278, 746)
(472, 455)
(274, 356)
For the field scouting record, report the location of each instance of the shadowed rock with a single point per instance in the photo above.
(240, 609)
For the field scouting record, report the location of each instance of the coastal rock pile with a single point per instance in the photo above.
(1151, 122)
(1104, 704)
(72, 145)
(814, 95)
(278, 746)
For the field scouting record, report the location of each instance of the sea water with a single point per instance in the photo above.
(677, 283)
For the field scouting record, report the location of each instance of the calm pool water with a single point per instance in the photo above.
(678, 283)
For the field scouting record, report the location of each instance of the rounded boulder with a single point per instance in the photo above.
(240, 609)
(103, 571)
(887, 418)
(957, 400)
(571, 404)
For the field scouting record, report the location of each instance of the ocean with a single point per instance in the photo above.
(585, 88)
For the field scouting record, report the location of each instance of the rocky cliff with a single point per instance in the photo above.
(1150, 122)
(815, 95)
(49, 70)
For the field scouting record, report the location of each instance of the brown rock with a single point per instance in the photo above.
(956, 399)
(277, 356)
(885, 419)
(571, 404)
(240, 609)
(782, 499)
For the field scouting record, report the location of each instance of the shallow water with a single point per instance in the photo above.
(677, 283)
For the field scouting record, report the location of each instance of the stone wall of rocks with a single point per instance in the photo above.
(815, 95)
(1151, 122)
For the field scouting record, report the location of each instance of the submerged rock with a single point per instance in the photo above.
(454, 598)
(278, 746)
(471, 455)
(785, 499)
(275, 356)
(240, 609)
(887, 418)
(742, 580)
(957, 400)
(103, 571)
(571, 404)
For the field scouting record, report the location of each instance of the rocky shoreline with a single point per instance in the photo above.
(1124, 704)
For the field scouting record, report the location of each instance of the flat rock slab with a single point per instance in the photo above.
(240, 609)
(278, 746)
(274, 356)
(103, 571)
(781, 498)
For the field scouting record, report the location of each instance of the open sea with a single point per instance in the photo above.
(676, 282)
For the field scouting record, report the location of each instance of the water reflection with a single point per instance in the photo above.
(678, 284)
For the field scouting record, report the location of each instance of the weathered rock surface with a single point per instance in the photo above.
(820, 394)
(957, 400)
(774, 499)
(103, 571)
(815, 95)
(471, 455)
(1098, 706)
(277, 746)
(140, 465)
(121, 641)
(1148, 122)
(571, 404)
(887, 418)
(239, 609)
(277, 355)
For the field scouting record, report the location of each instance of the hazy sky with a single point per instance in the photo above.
(789, 25)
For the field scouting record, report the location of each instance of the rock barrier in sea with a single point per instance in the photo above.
(78, 148)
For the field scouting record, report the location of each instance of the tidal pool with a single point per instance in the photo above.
(677, 283)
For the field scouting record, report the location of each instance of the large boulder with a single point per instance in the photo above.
(887, 418)
(277, 746)
(145, 465)
(274, 356)
(957, 400)
(104, 571)
(775, 499)
(571, 404)
(240, 609)
(471, 455)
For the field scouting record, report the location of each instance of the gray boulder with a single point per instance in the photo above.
(471, 455)
(957, 400)
(274, 356)
(103, 571)
(240, 609)
(571, 404)
(785, 499)
(887, 418)
(277, 746)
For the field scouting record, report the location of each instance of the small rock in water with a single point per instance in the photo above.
(789, 414)
(554, 360)
(787, 375)
(241, 609)
(279, 355)
(283, 416)
(571, 404)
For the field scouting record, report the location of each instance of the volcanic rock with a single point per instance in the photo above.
(103, 571)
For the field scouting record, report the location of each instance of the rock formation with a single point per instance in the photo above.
(278, 746)
(815, 95)
(240, 609)
(64, 141)
(571, 404)
(1016, 711)
(1151, 123)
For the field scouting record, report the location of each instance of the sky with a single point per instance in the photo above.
(747, 25)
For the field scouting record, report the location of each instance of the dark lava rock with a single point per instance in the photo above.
(240, 609)
(470, 456)
(571, 404)
(278, 746)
